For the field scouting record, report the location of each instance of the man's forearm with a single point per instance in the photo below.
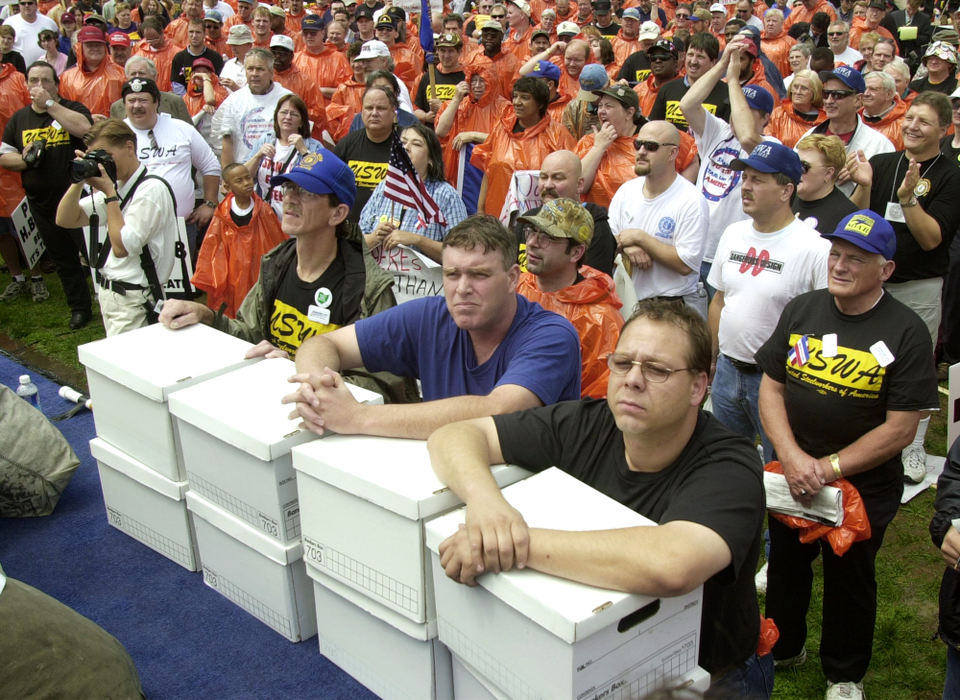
(661, 252)
(226, 151)
(861, 196)
(211, 186)
(69, 213)
(923, 227)
(74, 122)
(773, 416)
(13, 161)
(316, 353)
(461, 458)
(875, 447)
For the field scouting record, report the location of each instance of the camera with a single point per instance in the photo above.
(87, 166)
(34, 153)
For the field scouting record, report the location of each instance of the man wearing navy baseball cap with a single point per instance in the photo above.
(761, 263)
(843, 89)
(846, 375)
(319, 280)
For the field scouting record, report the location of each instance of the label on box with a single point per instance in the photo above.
(312, 552)
(114, 517)
(269, 525)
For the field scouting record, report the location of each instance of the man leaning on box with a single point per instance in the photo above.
(479, 350)
(650, 447)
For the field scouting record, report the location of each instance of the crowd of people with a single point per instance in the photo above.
(634, 199)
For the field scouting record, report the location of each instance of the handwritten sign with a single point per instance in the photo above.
(28, 234)
(524, 194)
(414, 274)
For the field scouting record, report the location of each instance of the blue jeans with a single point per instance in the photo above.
(751, 680)
(704, 273)
(735, 402)
(951, 685)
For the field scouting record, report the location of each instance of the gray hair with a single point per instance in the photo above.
(148, 65)
(888, 82)
(263, 54)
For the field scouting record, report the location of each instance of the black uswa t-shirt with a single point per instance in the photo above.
(635, 68)
(46, 183)
(302, 310)
(368, 161)
(946, 148)
(716, 482)
(667, 104)
(446, 85)
(832, 401)
(825, 213)
(938, 194)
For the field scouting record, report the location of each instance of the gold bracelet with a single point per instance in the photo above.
(835, 463)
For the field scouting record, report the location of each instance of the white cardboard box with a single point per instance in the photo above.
(531, 635)
(363, 501)
(386, 660)
(265, 578)
(131, 376)
(145, 505)
(235, 440)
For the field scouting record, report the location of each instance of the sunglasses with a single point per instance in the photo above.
(836, 33)
(657, 58)
(651, 146)
(498, 16)
(838, 94)
(680, 16)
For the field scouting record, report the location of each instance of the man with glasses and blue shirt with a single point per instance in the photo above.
(650, 447)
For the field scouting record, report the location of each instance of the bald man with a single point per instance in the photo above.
(560, 177)
(660, 221)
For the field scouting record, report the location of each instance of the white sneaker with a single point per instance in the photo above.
(844, 691)
(760, 580)
(792, 661)
(39, 289)
(914, 463)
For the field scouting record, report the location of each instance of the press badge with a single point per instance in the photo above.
(882, 353)
(56, 126)
(318, 314)
(828, 346)
(894, 212)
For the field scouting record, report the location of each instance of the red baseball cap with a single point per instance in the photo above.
(91, 34)
(119, 39)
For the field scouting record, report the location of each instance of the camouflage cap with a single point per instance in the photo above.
(563, 218)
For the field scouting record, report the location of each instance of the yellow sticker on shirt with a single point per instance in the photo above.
(289, 328)
(849, 374)
(368, 174)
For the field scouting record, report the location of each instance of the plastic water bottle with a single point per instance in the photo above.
(28, 391)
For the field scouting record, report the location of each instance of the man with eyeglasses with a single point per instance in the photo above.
(480, 349)
(744, 12)
(319, 280)
(650, 447)
(917, 190)
(760, 264)
(557, 238)
(843, 89)
(660, 221)
(838, 39)
(846, 373)
(28, 23)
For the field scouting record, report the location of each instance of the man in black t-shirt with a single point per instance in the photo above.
(449, 73)
(702, 53)
(60, 124)
(649, 447)
(182, 64)
(847, 373)
(917, 191)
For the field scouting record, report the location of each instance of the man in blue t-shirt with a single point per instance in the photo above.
(480, 350)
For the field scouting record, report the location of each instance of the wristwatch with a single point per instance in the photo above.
(912, 202)
(210, 203)
(114, 198)
(49, 103)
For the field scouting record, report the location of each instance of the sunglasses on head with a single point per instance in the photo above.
(651, 146)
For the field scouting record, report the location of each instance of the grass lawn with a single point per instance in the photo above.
(907, 662)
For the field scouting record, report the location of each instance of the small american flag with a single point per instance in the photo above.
(800, 353)
(404, 186)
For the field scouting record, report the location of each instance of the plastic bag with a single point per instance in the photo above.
(769, 634)
(856, 525)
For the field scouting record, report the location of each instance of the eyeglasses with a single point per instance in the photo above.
(651, 146)
(657, 58)
(838, 94)
(288, 113)
(289, 189)
(498, 16)
(836, 33)
(682, 16)
(653, 372)
(532, 233)
(807, 167)
(956, 105)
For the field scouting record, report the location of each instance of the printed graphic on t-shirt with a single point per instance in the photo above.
(851, 373)
(642, 74)
(754, 262)
(50, 134)
(675, 116)
(368, 174)
(289, 328)
(666, 228)
(443, 92)
(719, 179)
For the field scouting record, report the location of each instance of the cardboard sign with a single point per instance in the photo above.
(524, 194)
(414, 274)
(28, 235)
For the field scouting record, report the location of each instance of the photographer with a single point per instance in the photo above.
(139, 211)
(39, 142)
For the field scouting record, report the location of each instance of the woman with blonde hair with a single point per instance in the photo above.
(801, 110)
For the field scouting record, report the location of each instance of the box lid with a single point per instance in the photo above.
(120, 461)
(153, 361)
(243, 408)
(570, 610)
(392, 473)
(240, 531)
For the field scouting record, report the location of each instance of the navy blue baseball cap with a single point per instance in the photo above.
(547, 71)
(758, 98)
(771, 157)
(868, 231)
(311, 23)
(850, 77)
(322, 173)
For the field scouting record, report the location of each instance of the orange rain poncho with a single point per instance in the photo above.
(194, 99)
(492, 108)
(228, 264)
(504, 151)
(778, 49)
(800, 13)
(343, 106)
(503, 69)
(162, 57)
(592, 306)
(299, 83)
(787, 126)
(97, 89)
(13, 88)
(891, 123)
(326, 69)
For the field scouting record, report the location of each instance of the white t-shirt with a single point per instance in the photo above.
(246, 117)
(27, 34)
(865, 138)
(233, 70)
(676, 216)
(849, 56)
(148, 219)
(178, 147)
(758, 274)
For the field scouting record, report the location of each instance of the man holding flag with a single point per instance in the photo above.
(846, 375)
